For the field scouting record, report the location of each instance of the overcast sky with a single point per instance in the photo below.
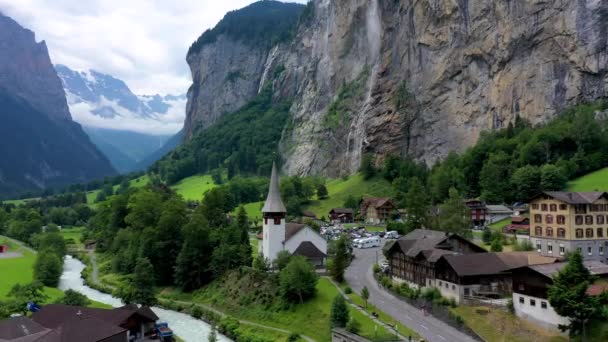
(143, 42)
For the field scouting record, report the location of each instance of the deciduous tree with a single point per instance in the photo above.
(568, 295)
(298, 280)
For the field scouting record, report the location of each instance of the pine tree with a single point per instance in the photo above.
(417, 204)
(454, 216)
(340, 260)
(141, 288)
(365, 295)
(322, 191)
(339, 314)
(568, 295)
(192, 265)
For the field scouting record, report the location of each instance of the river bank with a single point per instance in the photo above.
(185, 326)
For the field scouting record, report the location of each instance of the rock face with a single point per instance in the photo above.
(26, 70)
(40, 145)
(421, 78)
(226, 74)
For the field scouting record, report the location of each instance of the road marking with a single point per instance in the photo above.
(424, 327)
(441, 337)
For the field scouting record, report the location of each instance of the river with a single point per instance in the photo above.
(184, 326)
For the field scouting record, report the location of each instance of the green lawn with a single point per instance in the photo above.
(20, 271)
(73, 234)
(254, 211)
(339, 190)
(193, 188)
(595, 181)
(499, 225)
(254, 246)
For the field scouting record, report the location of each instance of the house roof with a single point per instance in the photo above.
(518, 219)
(87, 329)
(144, 311)
(274, 203)
(376, 202)
(423, 240)
(309, 250)
(493, 263)
(498, 209)
(19, 328)
(292, 229)
(550, 270)
(576, 197)
(308, 213)
(342, 211)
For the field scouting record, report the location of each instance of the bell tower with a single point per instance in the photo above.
(274, 214)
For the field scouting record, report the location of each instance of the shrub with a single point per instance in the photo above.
(196, 312)
(348, 290)
(510, 306)
(377, 268)
(293, 337)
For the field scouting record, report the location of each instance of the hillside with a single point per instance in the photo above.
(40, 145)
(594, 181)
(403, 78)
(355, 186)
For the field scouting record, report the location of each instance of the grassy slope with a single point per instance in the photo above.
(193, 188)
(355, 185)
(498, 326)
(595, 181)
(310, 318)
(134, 183)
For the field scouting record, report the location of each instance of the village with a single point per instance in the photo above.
(398, 271)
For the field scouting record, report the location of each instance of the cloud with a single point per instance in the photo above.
(168, 123)
(143, 42)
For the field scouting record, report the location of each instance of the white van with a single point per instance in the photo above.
(368, 242)
(392, 235)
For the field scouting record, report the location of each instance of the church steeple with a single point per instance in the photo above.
(274, 203)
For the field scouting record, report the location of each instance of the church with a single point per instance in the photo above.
(278, 235)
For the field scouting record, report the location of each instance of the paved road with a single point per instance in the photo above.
(360, 274)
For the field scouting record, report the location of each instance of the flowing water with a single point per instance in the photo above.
(184, 326)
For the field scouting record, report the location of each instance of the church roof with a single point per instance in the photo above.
(274, 203)
(309, 250)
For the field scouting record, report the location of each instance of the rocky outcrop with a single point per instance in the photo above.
(226, 74)
(422, 78)
(26, 70)
(40, 145)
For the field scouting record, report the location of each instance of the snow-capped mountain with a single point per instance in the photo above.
(103, 101)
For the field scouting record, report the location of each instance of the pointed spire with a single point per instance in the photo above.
(274, 203)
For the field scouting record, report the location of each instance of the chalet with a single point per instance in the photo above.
(530, 286)
(58, 322)
(497, 213)
(309, 215)
(342, 215)
(412, 258)
(376, 209)
(478, 210)
(3, 248)
(488, 276)
(519, 224)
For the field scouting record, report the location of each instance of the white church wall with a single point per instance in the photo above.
(273, 237)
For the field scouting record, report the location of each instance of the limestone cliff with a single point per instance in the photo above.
(421, 78)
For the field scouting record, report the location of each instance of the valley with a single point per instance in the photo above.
(315, 171)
